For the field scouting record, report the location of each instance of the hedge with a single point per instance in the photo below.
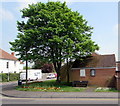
(12, 77)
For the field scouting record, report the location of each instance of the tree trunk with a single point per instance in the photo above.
(69, 66)
(57, 69)
(58, 77)
(26, 69)
(68, 77)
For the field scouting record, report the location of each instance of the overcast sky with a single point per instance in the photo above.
(103, 16)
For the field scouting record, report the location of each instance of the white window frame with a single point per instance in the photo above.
(93, 72)
(82, 73)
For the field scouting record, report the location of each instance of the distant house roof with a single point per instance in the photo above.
(5, 55)
(95, 61)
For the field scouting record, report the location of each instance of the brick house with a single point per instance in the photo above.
(98, 70)
(117, 76)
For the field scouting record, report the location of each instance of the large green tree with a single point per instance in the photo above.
(22, 46)
(53, 33)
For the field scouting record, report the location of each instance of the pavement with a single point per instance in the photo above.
(10, 91)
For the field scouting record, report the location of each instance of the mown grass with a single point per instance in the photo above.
(50, 86)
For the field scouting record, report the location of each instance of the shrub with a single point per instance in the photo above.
(47, 68)
(4, 77)
(12, 77)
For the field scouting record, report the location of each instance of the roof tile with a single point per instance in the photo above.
(96, 61)
(5, 55)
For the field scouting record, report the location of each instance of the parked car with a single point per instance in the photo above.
(50, 76)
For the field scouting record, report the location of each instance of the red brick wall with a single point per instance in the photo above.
(118, 76)
(103, 77)
(118, 65)
(118, 80)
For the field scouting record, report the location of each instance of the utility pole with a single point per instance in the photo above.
(8, 71)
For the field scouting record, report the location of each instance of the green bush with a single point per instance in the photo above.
(4, 77)
(12, 77)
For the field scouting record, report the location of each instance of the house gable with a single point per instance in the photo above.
(7, 56)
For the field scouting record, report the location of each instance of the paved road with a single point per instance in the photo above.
(85, 100)
(7, 100)
(8, 85)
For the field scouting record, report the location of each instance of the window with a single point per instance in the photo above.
(92, 72)
(15, 63)
(82, 73)
(7, 66)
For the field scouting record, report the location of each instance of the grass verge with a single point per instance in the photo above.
(49, 86)
(102, 89)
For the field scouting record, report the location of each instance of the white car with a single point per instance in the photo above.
(50, 76)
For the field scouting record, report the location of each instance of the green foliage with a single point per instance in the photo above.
(4, 77)
(49, 86)
(53, 33)
(38, 64)
(25, 68)
(12, 76)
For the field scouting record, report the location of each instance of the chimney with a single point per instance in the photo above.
(13, 54)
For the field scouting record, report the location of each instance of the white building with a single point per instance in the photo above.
(9, 63)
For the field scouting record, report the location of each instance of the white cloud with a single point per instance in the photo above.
(6, 15)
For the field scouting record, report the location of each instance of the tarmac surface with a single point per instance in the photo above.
(8, 90)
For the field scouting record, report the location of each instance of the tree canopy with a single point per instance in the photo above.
(53, 33)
